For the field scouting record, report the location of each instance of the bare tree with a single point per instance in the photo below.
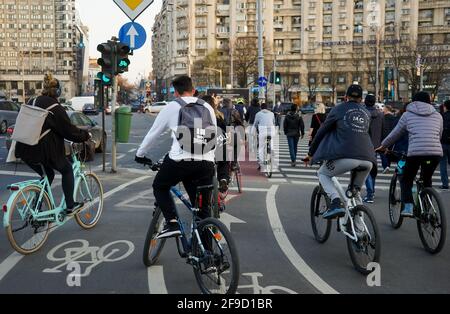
(245, 57)
(311, 81)
(203, 76)
(288, 77)
(438, 66)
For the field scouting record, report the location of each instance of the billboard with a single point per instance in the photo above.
(232, 93)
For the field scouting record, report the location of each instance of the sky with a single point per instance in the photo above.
(104, 19)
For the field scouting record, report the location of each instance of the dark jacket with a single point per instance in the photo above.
(251, 113)
(389, 123)
(423, 125)
(50, 150)
(376, 125)
(241, 109)
(232, 116)
(293, 125)
(344, 134)
(446, 133)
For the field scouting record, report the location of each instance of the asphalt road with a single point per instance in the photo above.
(270, 224)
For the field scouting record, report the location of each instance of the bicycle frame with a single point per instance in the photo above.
(350, 203)
(45, 188)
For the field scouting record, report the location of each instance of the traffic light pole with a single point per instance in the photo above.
(259, 7)
(115, 85)
(274, 80)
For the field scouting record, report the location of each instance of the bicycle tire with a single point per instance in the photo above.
(353, 246)
(153, 247)
(86, 212)
(238, 175)
(46, 205)
(395, 205)
(421, 222)
(316, 214)
(217, 225)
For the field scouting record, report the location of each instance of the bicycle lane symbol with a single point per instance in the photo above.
(256, 288)
(81, 253)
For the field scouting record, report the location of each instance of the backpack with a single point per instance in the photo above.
(196, 131)
(29, 123)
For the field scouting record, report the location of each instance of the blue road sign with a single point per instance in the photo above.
(262, 81)
(133, 34)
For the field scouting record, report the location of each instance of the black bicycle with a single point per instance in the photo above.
(208, 246)
(429, 209)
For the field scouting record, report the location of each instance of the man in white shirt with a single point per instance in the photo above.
(192, 169)
(265, 126)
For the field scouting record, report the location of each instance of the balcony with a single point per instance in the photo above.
(433, 29)
(433, 4)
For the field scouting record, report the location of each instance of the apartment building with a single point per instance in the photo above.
(40, 36)
(320, 47)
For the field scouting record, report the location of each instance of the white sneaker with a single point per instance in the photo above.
(386, 170)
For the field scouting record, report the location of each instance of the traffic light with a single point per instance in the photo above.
(123, 62)
(107, 62)
(275, 78)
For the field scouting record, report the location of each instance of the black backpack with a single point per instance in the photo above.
(196, 132)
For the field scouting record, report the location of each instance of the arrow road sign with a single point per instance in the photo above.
(262, 81)
(133, 35)
(133, 8)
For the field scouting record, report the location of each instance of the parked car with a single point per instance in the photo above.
(285, 107)
(136, 106)
(8, 114)
(80, 120)
(78, 103)
(156, 107)
(308, 108)
(89, 109)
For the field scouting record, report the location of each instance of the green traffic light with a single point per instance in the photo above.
(124, 63)
(104, 78)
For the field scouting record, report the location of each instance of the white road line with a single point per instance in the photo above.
(8, 264)
(132, 150)
(288, 249)
(23, 174)
(156, 283)
(251, 189)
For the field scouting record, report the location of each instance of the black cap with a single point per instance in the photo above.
(355, 91)
(370, 100)
(423, 97)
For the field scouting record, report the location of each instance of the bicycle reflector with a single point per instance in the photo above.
(5, 208)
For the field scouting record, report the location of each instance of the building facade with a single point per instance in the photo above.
(40, 36)
(320, 47)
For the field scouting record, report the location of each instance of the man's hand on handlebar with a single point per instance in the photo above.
(381, 149)
(307, 160)
(143, 161)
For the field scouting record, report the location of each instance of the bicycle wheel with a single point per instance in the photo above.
(152, 246)
(320, 204)
(432, 223)
(89, 192)
(367, 248)
(217, 271)
(25, 234)
(268, 166)
(395, 202)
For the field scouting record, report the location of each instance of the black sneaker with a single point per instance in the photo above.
(76, 208)
(223, 186)
(171, 230)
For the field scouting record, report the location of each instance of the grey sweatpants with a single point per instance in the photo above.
(335, 168)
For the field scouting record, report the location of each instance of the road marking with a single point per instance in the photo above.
(228, 219)
(251, 189)
(156, 283)
(287, 247)
(132, 150)
(22, 174)
(8, 264)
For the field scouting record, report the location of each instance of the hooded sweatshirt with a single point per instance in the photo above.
(424, 127)
(376, 125)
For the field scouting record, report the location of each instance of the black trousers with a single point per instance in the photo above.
(427, 164)
(191, 173)
(68, 180)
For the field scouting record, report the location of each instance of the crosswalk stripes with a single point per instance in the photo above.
(308, 175)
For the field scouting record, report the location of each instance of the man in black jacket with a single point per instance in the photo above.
(343, 144)
(445, 161)
(376, 132)
(294, 127)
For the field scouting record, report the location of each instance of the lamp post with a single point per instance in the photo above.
(220, 73)
(259, 8)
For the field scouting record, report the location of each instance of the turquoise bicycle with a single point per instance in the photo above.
(31, 211)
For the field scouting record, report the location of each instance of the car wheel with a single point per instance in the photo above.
(3, 127)
(102, 147)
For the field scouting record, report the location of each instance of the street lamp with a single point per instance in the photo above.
(220, 72)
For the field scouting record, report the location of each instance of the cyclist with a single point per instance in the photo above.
(343, 144)
(240, 107)
(424, 125)
(264, 126)
(192, 169)
(50, 152)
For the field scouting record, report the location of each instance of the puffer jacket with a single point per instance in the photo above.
(424, 126)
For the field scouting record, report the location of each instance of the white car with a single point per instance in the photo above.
(156, 107)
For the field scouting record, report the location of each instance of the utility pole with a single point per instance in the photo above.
(377, 75)
(274, 74)
(259, 5)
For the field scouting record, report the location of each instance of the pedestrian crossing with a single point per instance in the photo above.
(308, 175)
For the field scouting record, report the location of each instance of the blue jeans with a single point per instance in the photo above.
(445, 161)
(370, 186)
(385, 162)
(293, 146)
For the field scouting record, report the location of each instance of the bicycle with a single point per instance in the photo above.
(430, 215)
(358, 225)
(267, 161)
(31, 210)
(236, 175)
(204, 247)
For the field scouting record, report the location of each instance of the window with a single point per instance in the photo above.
(341, 79)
